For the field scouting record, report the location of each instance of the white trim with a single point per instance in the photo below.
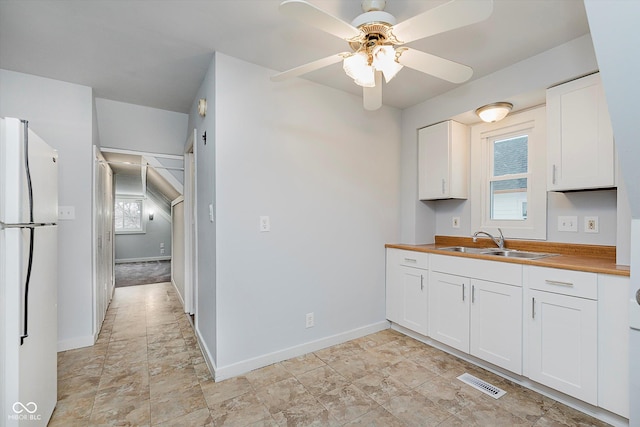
(206, 354)
(239, 368)
(173, 282)
(177, 200)
(141, 153)
(78, 342)
(157, 258)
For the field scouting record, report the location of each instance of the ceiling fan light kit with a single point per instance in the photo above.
(377, 42)
(494, 112)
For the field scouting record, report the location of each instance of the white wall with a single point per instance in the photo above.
(134, 127)
(419, 219)
(206, 304)
(326, 173)
(61, 113)
(616, 37)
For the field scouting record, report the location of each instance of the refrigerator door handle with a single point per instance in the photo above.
(25, 324)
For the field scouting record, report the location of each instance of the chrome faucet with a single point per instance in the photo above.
(498, 241)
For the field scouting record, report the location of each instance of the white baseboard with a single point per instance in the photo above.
(239, 368)
(208, 358)
(157, 258)
(78, 342)
(177, 292)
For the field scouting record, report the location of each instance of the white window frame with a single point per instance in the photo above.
(533, 123)
(143, 222)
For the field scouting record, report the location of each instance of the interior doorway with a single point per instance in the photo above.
(143, 189)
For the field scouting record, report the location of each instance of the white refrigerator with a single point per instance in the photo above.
(28, 276)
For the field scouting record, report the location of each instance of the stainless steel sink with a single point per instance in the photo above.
(465, 249)
(508, 253)
(517, 254)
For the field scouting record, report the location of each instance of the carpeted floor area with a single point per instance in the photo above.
(142, 273)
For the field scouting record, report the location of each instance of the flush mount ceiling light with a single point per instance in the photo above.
(495, 112)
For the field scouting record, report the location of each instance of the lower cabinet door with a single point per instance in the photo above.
(563, 345)
(449, 297)
(413, 314)
(496, 324)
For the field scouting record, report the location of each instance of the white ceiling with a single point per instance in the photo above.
(156, 52)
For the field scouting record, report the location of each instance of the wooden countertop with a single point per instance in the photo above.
(590, 258)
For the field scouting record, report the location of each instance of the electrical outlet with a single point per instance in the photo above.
(161, 251)
(568, 223)
(66, 212)
(265, 224)
(161, 245)
(455, 222)
(590, 224)
(309, 323)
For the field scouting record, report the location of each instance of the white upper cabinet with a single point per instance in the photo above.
(443, 161)
(580, 144)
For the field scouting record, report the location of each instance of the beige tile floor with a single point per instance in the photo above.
(146, 370)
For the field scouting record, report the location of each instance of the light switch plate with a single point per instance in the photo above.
(568, 223)
(265, 224)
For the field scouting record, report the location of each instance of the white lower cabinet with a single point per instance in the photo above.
(563, 331)
(496, 324)
(406, 289)
(478, 316)
(449, 310)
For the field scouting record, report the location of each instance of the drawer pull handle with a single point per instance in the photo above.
(421, 282)
(473, 294)
(410, 260)
(463, 292)
(558, 283)
(553, 178)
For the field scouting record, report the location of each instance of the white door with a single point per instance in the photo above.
(449, 310)
(190, 236)
(563, 347)
(496, 324)
(413, 287)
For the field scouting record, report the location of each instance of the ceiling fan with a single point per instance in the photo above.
(377, 42)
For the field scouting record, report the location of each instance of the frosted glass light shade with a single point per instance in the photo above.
(356, 66)
(384, 59)
(494, 112)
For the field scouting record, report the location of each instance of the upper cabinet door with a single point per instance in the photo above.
(580, 144)
(443, 161)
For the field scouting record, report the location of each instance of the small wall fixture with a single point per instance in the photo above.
(494, 112)
(150, 215)
(202, 107)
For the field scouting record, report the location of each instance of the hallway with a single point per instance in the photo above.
(147, 370)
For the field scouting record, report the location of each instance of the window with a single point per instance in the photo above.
(509, 179)
(128, 216)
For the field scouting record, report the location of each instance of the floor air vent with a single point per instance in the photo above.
(483, 386)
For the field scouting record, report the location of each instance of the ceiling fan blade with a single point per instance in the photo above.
(434, 65)
(307, 68)
(449, 16)
(316, 17)
(372, 96)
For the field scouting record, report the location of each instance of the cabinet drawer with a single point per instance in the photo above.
(492, 271)
(566, 282)
(408, 258)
